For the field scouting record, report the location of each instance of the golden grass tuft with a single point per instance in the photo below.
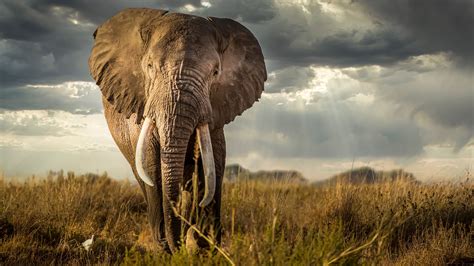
(397, 223)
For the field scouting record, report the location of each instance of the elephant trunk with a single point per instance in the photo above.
(176, 121)
(175, 132)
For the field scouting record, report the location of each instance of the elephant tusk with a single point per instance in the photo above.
(205, 145)
(147, 128)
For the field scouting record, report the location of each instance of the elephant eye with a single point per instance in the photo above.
(149, 65)
(216, 72)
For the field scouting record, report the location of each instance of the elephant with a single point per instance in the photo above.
(170, 82)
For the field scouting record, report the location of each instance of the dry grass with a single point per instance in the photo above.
(45, 221)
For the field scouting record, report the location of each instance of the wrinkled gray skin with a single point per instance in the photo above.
(183, 72)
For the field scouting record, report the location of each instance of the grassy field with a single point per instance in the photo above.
(265, 223)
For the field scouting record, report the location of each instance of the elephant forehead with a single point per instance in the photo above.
(181, 30)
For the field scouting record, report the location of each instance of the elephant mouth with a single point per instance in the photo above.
(203, 137)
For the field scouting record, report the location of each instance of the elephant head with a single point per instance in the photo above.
(180, 74)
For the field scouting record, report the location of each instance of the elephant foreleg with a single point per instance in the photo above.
(153, 195)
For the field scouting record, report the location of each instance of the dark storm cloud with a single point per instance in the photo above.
(97, 12)
(40, 45)
(329, 129)
(59, 32)
(445, 98)
(249, 11)
(339, 50)
(372, 48)
(306, 34)
(289, 79)
(436, 25)
(439, 96)
(43, 30)
(75, 99)
(392, 31)
(22, 58)
(48, 42)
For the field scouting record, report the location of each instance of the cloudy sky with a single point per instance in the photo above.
(386, 84)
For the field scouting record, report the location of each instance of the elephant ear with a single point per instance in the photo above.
(115, 60)
(243, 72)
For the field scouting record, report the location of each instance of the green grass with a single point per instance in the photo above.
(265, 223)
